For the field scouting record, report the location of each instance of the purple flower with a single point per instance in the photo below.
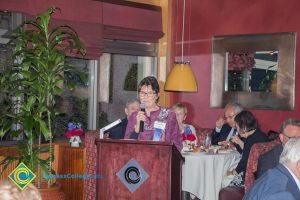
(187, 130)
(71, 126)
(78, 126)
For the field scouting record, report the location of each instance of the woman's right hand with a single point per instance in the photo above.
(141, 116)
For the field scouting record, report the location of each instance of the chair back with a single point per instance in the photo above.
(231, 193)
(256, 151)
(272, 135)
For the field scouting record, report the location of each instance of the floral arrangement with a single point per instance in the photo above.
(188, 135)
(74, 129)
(241, 60)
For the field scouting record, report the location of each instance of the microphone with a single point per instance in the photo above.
(142, 108)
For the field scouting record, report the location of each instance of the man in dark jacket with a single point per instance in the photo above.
(283, 181)
(290, 128)
(118, 132)
(225, 125)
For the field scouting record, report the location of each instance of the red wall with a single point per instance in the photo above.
(125, 22)
(231, 17)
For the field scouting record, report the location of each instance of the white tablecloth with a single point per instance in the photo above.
(202, 173)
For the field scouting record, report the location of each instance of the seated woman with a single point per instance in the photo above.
(159, 123)
(248, 128)
(187, 131)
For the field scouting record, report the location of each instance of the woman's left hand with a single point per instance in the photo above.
(237, 140)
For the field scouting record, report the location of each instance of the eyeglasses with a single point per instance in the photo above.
(287, 136)
(144, 94)
(229, 116)
(180, 113)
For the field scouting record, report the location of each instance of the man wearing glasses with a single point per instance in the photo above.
(225, 125)
(283, 181)
(290, 128)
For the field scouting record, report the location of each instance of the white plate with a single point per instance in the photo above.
(225, 151)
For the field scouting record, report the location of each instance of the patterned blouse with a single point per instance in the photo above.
(170, 133)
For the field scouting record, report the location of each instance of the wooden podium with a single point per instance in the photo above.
(161, 161)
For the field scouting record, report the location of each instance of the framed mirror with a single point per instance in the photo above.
(257, 71)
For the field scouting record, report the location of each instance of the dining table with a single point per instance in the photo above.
(204, 172)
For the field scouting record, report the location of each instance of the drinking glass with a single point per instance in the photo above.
(207, 141)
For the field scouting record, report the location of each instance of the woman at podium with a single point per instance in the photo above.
(152, 122)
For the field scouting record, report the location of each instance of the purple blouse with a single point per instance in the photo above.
(171, 131)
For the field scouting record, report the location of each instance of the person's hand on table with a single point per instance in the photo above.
(224, 143)
(231, 173)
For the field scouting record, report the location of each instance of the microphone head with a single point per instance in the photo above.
(142, 106)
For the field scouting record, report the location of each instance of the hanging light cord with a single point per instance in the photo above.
(189, 37)
(182, 37)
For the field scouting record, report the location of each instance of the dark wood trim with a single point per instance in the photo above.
(129, 48)
(133, 4)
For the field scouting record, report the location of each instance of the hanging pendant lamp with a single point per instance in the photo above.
(181, 78)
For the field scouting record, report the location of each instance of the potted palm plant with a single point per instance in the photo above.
(32, 83)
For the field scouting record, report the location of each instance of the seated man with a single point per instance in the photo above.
(225, 126)
(283, 181)
(118, 132)
(290, 128)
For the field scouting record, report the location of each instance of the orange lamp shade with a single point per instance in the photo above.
(181, 79)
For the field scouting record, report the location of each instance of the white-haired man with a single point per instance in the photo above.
(225, 126)
(283, 181)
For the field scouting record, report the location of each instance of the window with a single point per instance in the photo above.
(121, 69)
(126, 71)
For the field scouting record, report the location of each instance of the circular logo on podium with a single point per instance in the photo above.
(132, 175)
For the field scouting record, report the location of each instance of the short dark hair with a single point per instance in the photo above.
(246, 121)
(149, 80)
